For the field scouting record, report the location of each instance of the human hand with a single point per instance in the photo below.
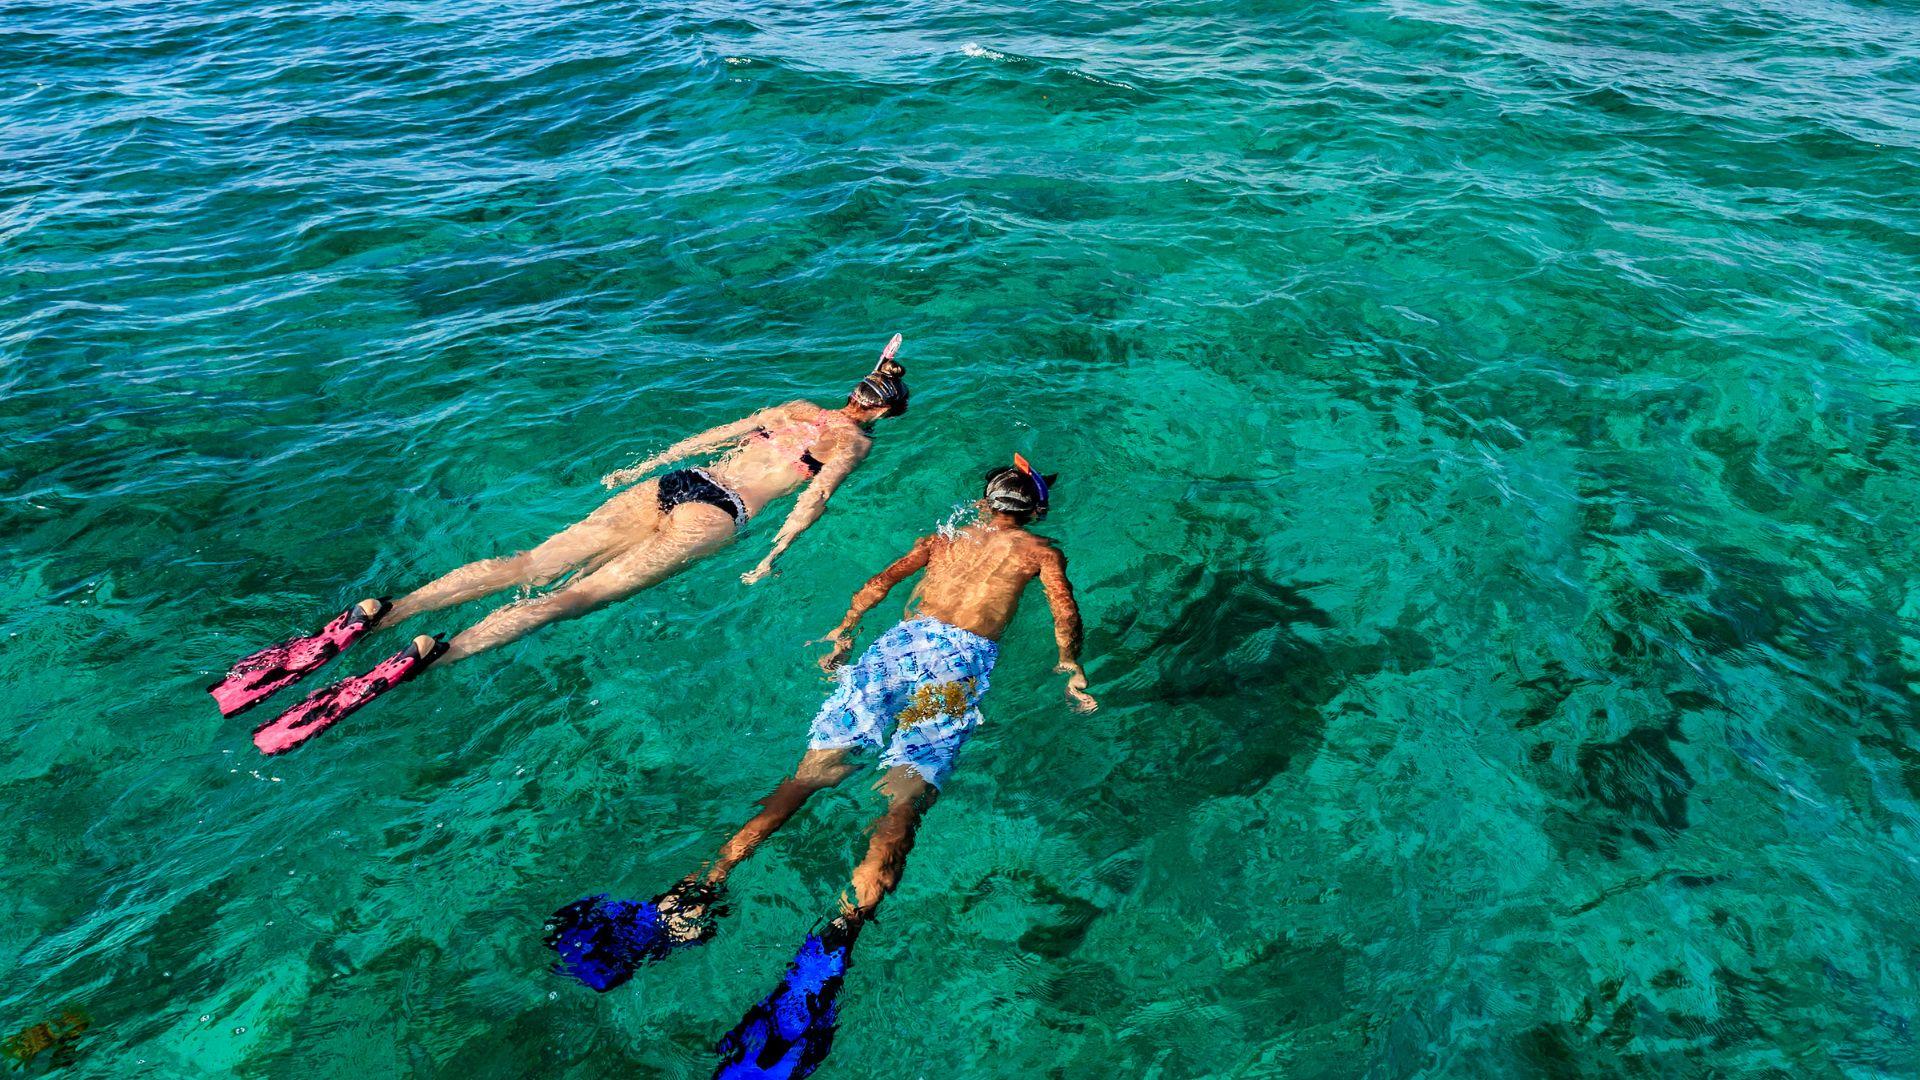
(756, 574)
(1077, 688)
(622, 477)
(842, 643)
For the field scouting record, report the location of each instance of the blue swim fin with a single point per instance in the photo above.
(602, 941)
(787, 1035)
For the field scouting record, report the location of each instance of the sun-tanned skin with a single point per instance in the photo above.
(628, 545)
(973, 581)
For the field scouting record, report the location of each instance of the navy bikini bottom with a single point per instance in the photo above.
(694, 485)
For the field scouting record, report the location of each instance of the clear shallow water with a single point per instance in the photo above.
(1488, 433)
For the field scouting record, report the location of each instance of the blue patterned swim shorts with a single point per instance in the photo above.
(915, 692)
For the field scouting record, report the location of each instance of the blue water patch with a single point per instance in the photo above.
(1485, 430)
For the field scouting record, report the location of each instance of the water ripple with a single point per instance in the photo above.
(1486, 429)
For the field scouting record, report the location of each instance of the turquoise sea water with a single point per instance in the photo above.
(1488, 430)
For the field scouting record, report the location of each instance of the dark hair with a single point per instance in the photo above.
(887, 386)
(1011, 491)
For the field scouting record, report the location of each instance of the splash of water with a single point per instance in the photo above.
(963, 516)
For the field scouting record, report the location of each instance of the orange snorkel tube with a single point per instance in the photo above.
(1039, 482)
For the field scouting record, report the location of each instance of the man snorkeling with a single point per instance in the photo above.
(913, 697)
(635, 540)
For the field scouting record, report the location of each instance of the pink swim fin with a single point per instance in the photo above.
(277, 667)
(330, 704)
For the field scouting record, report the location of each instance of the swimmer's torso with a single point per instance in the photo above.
(772, 462)
(974, 580)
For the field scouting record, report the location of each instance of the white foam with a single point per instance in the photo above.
(964, 514)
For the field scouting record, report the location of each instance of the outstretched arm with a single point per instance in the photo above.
(811, 503)
(1066, 626)
(687, 447)
(870, 595)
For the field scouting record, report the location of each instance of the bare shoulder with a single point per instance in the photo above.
(1044, 546)
(1041, 552)
(849, 434)
(843, 442)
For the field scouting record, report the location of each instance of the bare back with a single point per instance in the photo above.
(974, 580)
(768, 463)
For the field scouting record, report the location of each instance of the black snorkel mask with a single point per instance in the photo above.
(886, 385)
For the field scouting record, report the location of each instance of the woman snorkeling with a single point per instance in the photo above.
(635, 540)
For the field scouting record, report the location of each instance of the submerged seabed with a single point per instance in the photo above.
(1488, 441)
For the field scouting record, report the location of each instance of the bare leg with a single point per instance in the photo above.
(686, 913)
(470, 582)
(818, 770)
(879, 873)
(623, 519)
(692, 531)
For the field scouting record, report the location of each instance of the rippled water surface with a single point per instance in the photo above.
(1488, 436)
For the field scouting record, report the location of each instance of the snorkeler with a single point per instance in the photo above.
(635, 540)
(914, 697)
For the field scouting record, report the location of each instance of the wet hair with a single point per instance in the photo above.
(1012, 490)
(886, 386)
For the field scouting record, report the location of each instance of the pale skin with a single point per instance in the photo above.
(629, 544)
(974, 581)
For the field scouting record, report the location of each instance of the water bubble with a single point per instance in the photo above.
(204, 1017)
(240, 1030)
(963, 514)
